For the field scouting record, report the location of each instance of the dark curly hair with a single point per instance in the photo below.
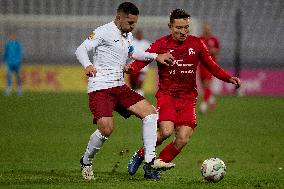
(177, 14)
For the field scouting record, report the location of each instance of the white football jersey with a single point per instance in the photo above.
(111, 50)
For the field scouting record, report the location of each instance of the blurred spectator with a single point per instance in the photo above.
(212, 43)
(13, 60)
(136, 80)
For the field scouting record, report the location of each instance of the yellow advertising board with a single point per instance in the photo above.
(59, 78)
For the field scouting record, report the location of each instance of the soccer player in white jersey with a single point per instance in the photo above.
(112, 46)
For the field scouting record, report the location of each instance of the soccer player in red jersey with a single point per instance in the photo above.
(212, 43)
(177, 93)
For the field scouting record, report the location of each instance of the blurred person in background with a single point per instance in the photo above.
(212, 43)
(13, 54)
(177, 93)
(112, 46)
(136, 80)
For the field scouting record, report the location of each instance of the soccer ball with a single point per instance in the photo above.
(213, 169)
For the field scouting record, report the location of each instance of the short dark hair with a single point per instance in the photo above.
(177, 14)
(128, 8)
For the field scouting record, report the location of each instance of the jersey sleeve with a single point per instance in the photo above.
(94, 40)
(137, 54)
(138, 65)
(212, 67)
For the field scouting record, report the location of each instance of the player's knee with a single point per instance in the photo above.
(166, 133)
(151, 110)
(181, 141)
(106, 131)
(105, 127)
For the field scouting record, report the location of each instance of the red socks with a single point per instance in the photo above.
(169, 153)
(141, 150)
(207, 94)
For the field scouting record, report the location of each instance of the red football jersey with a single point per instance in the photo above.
(181, 76)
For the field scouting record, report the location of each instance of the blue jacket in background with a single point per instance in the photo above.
(13, 53)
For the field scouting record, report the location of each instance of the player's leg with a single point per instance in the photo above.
(101, 105)
(164, 131)
(165, 113)
(183, 133)
(184, 126)
(137, 105)
(101, 134)
(211, 99)
(144, 110)
(206, 94)
(18, 79)
(9, 80)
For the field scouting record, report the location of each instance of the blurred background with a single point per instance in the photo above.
(251, 35)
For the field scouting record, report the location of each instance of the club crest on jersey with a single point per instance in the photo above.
(191, 51)
(91, 35)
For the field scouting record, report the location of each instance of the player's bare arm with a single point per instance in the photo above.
(236, 81)
(165, 59)
(90, 71)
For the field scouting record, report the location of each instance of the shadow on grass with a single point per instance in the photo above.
(28, 177)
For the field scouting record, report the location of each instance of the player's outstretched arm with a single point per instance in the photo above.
(236, 81)
(165, 59)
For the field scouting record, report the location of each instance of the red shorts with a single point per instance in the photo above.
(178, 107)
(103, 102)
(204, 73)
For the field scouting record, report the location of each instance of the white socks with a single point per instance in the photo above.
(94, 145)
(203, 107)
(212, 100)
(149, 135)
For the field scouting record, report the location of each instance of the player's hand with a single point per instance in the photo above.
(236, 81)
(127, 68)
(165, 59)
(90, 71)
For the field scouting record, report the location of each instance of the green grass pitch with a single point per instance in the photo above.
(43, 135)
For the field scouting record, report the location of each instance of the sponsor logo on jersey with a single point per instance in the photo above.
(91, 35)
(191, 51)
(179, 63)
(187, 71)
